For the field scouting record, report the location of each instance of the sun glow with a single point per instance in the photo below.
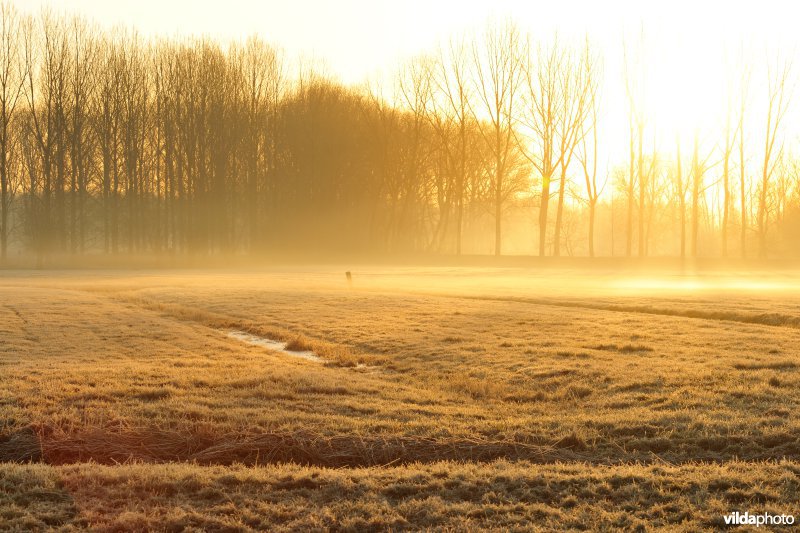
(690, 51)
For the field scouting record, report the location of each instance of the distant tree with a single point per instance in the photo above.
(778, 103)
(12, 78)
(588, 155)
(743, 87)
(576, 86)
(452, 81)
(635, 92)
(83, 47)
(700, 165)
(681, 187)
(498, 70)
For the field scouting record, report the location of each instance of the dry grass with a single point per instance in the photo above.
(119, 369)
(439, 496)
(299, 344)
(338, 355)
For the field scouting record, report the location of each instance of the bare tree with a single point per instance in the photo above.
(442, 151)
(588, 154)
(543, 104)
(558, 87)
(635, 92)
(46, 53)
(81, 82)
(681, 188)
(700, 165)
(12, 79)
(498, 75)
(730, 138)
(576, 86)
(778, 103)
(743, 88)
(106, 110)
(115, 143)
(452, 80)
(415, 90)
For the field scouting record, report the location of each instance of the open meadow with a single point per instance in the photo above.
(372, 265)
(412, 398)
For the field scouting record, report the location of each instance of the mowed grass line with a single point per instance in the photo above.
(708, 313)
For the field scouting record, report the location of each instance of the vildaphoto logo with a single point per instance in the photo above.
(765, 519)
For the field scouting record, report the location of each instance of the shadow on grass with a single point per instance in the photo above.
(33, 497)
(22, 446)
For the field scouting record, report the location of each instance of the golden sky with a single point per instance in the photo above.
(688, 43)
(357, 37)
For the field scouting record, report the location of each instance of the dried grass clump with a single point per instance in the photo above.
(632, 348)
(477, 388)
(20, 447)
(299, 344)
(151, 445)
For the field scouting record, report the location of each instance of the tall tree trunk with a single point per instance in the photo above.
(543, 214)
(726, 207)
(592, 206)
(743, 232)
(498, 205)
(629, 225)
(642, 188)
(559, 213)
(5, 204)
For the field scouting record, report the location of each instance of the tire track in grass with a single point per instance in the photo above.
(763, 319)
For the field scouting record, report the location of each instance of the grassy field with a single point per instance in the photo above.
(449, 398)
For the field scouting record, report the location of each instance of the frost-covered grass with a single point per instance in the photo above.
(434, 373)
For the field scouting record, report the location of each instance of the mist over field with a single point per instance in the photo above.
(538, 274)
(499, 140)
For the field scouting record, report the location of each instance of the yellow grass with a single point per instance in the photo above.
(438, 496)
(545, 371)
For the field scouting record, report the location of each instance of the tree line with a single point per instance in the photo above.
(110, 143)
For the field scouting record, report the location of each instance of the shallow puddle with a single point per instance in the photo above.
(273, 345)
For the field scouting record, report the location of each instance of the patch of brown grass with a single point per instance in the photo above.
(501, 495)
